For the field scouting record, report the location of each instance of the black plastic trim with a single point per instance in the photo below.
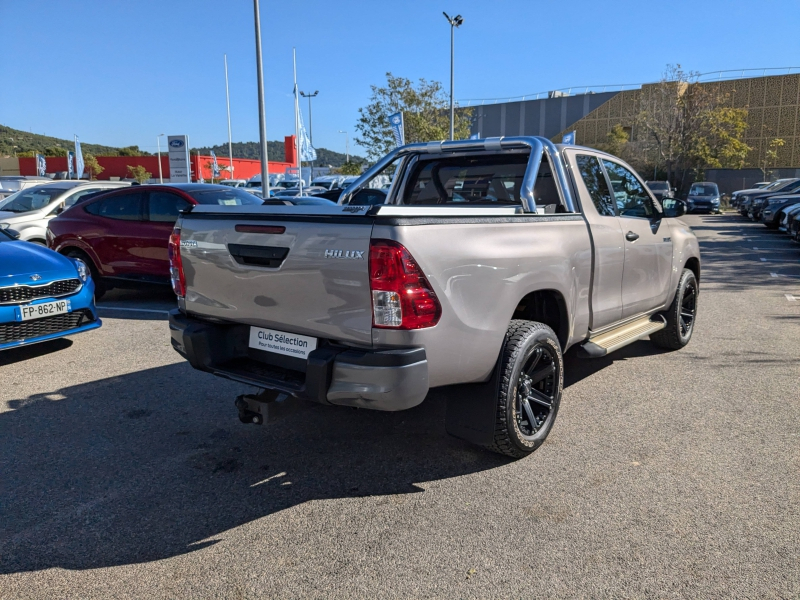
(383, 358)
(523, 218)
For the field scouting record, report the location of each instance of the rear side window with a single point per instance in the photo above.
(596, 184)
(125, 207)
(164, 207)
(224, 196)
(465, 179)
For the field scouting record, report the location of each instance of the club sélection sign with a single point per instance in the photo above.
(179, 168)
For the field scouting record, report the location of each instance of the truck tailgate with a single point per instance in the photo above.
(305, 274)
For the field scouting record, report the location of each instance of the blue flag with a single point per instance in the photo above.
(78, 159)
(568, 138)
(398, 128)
(41, 165)
(214, 165)
(475, 136)
(70, 165)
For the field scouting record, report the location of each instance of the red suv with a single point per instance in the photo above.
(123, 235)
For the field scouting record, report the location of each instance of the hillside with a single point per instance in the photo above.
(275, 149)
(25, 142)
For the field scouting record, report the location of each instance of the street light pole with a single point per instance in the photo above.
(454, 22)
(228, 102)
(262, 119)
(310, 124)
(158, 143)
(346, 146)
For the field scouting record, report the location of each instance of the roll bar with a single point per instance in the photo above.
(538, 146)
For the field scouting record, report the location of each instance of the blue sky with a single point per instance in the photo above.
(119, 73)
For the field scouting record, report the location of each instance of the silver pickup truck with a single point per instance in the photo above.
(489, 259)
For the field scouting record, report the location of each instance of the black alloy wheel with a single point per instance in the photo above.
(537, 387)
(688, 308)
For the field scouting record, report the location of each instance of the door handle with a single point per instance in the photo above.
(631, 237)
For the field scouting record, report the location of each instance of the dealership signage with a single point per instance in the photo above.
(179, 168)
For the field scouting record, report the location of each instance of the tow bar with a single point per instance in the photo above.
(267, 407)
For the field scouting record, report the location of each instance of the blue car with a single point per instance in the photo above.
(43, 295)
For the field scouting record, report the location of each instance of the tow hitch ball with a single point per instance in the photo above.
(265, 407)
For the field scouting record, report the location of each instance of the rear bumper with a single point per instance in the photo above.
(389, 380)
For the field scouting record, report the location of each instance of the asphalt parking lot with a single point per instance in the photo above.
(126, 474)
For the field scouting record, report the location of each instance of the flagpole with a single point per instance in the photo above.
(230, 143)
(262, 119)
(296, 125)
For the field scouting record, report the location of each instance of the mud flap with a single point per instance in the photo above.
(472, 409)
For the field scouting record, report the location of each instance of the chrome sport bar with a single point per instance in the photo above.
(537, 145)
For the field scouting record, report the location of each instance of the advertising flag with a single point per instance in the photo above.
(475, 136)
(41, 165)
(78, 159)
(307, 152)
(398, 128)
(214, 165)
(568, 138)
(70, 165)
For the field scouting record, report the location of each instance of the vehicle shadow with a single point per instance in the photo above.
(576, 369)
(23, 353)
(155, 464)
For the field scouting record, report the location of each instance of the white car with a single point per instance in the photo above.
(234, 182)
(15, 183)
(28, 211)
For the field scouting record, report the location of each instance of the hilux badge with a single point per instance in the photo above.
(351, 254)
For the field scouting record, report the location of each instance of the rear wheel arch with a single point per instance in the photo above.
(548, 307)
(693, 264)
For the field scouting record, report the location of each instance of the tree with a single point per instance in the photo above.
(55, 151)
(617, 140)
(426, 115)
(717, 142)
(90, 164)
(350, 168)
(139, 173)
(131, 151)
(771, 155)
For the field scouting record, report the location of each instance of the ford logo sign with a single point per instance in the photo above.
(176, 143)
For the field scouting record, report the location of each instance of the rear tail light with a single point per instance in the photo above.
(402, 298)
(175, 264)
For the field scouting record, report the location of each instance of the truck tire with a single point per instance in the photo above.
(680, 316)
(530, 383)
(100, 287)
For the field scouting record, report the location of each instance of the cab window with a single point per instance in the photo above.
(631, 198)
(596, 184)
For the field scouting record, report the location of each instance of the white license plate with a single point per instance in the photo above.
(280, 342)
(45, 309)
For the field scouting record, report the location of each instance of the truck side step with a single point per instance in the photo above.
(607, 342)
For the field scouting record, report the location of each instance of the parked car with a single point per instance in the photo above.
(746, 197)
(791, 222)
(329, 182)
(43, 295)
(761, 185)
(123, 235)
(363, 197)
(234, 182)
(661, 189)
(774, 209)
(758, 202)
(703, 197)
(372, 306)
(15, 183)
(30, 210)
(296, 191)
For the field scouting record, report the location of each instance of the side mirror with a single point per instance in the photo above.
(674, 208)
(12, 232)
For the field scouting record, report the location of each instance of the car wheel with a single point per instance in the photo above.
(100, 287)
(531, 382)
(680, 316)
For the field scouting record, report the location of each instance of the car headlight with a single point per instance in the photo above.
(5, 225)
(83, 270)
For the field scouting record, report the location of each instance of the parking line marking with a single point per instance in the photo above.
(763, 259)
(774, 275)
(124, 309)
(790, 298)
